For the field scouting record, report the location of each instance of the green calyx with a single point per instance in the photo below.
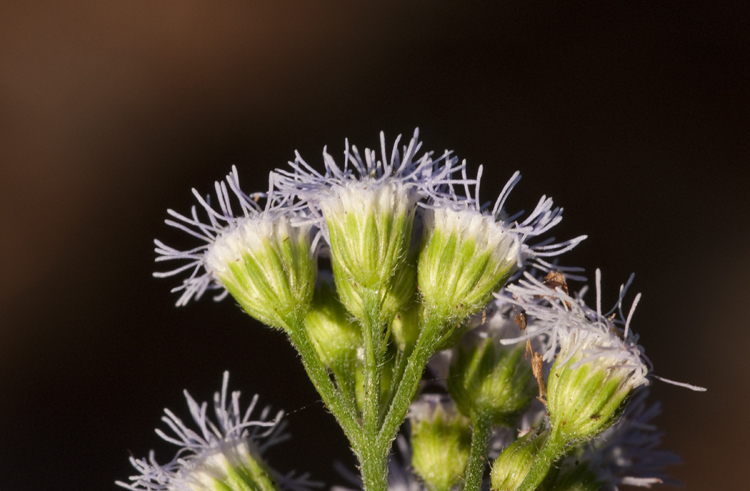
(274, 279)
(491, 380)
(369, 229)
(459, 269)
(513, 465)
(440, 448)
(395, 297)
(232, 468)
(585, 401)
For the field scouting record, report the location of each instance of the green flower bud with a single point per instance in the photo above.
(465, 256)
(369, 229)
(592, 376)
(441, 441)
(405, 328)
(491, 380)
(268, 267)
(335, 337)
(511, 468)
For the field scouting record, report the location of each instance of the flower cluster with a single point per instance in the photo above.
(422, 274)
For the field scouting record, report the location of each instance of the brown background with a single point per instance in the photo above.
(633, 116)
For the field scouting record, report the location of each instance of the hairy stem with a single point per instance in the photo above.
(480, 437)
(373, 370)
(425, 347)
(552, 449)
(343, 410)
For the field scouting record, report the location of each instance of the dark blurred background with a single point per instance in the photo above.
(632, 115)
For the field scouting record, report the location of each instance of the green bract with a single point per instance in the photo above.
(393, 299)
(511, 468)
(465, 256)
(268, 267)
(585, 400)
(335, 336)
(440, 439)
(489, 380)
(369, 230)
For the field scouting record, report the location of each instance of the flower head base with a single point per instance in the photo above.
(440, 439)
(219, 457)
(488, 379)
(261, 258)
(468, 253)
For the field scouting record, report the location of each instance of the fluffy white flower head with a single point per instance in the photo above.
(228, 451)
(599, 362)
(468, 251)
(573, 327)
(259, 256)
(366, 208)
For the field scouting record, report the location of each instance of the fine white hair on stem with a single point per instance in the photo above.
(234, 435)
(400, 476)
(218, 222)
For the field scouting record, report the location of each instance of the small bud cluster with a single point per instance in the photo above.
(422, 274)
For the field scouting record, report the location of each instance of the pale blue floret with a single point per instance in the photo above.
(233, 436)
(218, 223)
(570, 325)
(411, 178)
(498, 223)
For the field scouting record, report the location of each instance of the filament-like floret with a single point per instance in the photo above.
(235, 443)
(231, 239)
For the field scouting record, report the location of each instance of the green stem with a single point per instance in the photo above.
(345, 381)
(412, 375)
(480, 437)
(342, 410)
(373, 463)
(373, 369)
(552, 449)
(398, 375)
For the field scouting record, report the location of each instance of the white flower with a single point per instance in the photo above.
(259, 256)
(572, 326)
(366, 208)
(393, 180)
(468, 251)
(229, 450)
